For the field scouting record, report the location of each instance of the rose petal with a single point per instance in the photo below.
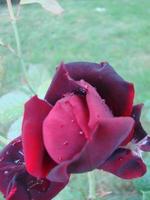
(106, 135)
(144, 144)
(37, 161)
(95, 152)
(125, 164)
(96, 106)
(11, 160)
(26, 187)
(16, 183)
(117, 92)
(139, 132)
(62, 83)
(63, 137)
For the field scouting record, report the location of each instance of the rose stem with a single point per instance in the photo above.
(18, 44)
(92, 186)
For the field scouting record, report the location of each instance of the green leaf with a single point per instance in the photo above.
(49, 5)
(11, 106)
(43, 88)
(15, 129)
(37, 76)
(146, 195)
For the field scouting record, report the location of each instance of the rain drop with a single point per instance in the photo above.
(65, 143)
(81, 132)
(5, 172)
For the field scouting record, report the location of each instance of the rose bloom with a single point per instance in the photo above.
(87, 121)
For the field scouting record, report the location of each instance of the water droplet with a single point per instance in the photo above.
(5, 172)
(133, 115)
(86, 86)
(1, 159)
(17, 161)
(20, 152)
(120, 159)
(72, 120)
(65, 143)
(81, 132)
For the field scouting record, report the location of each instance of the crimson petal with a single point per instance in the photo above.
(37, 161)
(125, 164)
(139, 132)
(11, 160)
(17, 182)
(117, 92)
(26, 187)
(144, 144)
(95, 152)
(62, 83)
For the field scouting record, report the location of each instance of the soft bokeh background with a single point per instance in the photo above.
(89, 30)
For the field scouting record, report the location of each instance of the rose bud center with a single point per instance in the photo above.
(65, 129)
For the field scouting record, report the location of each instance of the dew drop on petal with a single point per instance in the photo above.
(81, 132)
(65, 143)
(6, 172)
(1, 159)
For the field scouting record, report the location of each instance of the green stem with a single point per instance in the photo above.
(17, 38)
(3, 140)
(92, 186)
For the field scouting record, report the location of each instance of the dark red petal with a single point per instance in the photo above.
(136, 112)
(37, 161)
(63, 137)
(11, 161)
(117, 92)
(139, 132)
(125, 164)
(26, 187)
(144, 144)
(96, 106)
(108, 136)
(16, 183)
(62, 83)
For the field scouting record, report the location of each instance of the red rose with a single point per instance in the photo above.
(86, 121)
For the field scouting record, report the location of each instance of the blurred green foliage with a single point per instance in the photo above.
(88, 30)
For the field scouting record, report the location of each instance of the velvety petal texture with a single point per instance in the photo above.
(37, 161)
(125, 164)
(108, 83)
(17, 183)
